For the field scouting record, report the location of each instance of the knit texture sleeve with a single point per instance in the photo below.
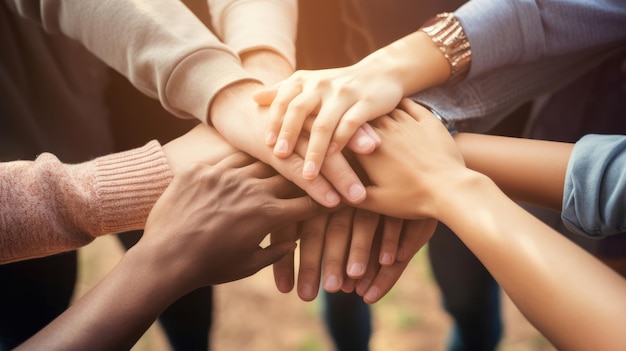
(257, 24)
(159, 45)
(49, 207)
(504, 32)
(594, 197)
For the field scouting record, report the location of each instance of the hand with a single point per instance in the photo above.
(207, 226)
(202, 144)
(379, 279)
(416, 160)
(241, 122)
(343, 99)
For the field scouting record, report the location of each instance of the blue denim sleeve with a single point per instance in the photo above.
(594, 198)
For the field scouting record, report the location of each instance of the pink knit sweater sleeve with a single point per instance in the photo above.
(48, 207)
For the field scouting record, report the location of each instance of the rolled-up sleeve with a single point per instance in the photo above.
(594, 198)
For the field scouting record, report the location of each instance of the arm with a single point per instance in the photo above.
(261, 32)
(183, 248)
(527, 170)
(157, 45)
(553, 282)
(49, 207)
(526, 31)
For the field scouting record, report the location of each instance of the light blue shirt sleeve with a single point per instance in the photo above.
(511, 32)
(594, 198)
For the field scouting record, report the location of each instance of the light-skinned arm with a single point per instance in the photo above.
(527, 170)
(419, 172)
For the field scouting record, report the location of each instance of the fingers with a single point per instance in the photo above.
(311, 249)
(385, 279)
(338, 233)
(338, 172)
(263, 257)
(364, 141)
(357, 116)
(414, 236)
(287, 91)
(298, 110)
(284, 268)
(265, 97)
(321, 133)
(363, 230)
(415, 110)
(389, 244)
(418, 233)
(319, 188)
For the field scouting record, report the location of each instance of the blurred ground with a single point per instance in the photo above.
(252, 315)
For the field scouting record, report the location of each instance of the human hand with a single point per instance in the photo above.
(343, 99)
(207, 226)
(202, 144)
(379, 279)
(327, 250)
(241, 122)
(416, 160)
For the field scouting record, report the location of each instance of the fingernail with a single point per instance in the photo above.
(386, 259)
(362, 286)
(332, 148)
(372, 294)
(270, 139)
(307, 292)
(281, 146)
(356, 192)
(284, 285)
(355, 270)
(332, 283)
(308, 171)
(332, 198)
(365, 142)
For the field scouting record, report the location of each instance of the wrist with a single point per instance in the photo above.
(464, 189)
(446, 32)
(234, 95)
(414, 61)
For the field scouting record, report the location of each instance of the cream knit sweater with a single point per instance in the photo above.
(48, 207)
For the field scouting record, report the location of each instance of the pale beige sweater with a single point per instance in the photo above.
(164, 49)
(48, 207)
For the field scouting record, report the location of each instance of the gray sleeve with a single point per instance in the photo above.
(479, 103)
(594, 197)
(519, 31)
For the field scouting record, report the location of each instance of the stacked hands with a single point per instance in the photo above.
(300, 126)
(365, 246)
(362, 244)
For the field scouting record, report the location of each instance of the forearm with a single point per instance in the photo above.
(158, 45)
(257, 25)
(116, 312)
(50, 207)
(531, 171)
(553, 282)
(414, 61)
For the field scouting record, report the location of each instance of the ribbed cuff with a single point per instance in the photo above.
(128, 184)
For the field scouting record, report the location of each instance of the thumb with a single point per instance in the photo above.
(265, 97)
